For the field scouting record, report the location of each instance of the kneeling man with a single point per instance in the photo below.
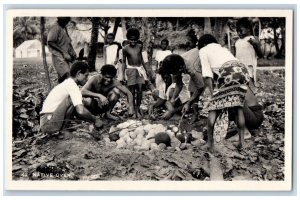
(64, 99)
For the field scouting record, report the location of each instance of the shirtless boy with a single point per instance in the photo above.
(104, 91)
(134, 68)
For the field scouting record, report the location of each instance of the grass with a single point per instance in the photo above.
(19, 62)
(37, 63)
(263, 62)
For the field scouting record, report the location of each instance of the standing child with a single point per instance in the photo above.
(150, 74)
(111, 51)
(160, 56)
(134, 68)
(247, 48)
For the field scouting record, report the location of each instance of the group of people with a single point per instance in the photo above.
(230, 78)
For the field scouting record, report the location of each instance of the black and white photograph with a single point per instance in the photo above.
(149, 100)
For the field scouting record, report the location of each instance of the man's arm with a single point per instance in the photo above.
(124, 56)
(125, 91)
(118, 55)
(65, 54)
(195, 96)
(141, 57)
(209, 84)
(257, 47)
(84, 113)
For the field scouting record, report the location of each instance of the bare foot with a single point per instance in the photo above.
(111, 117)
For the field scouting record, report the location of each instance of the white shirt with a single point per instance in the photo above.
(245, 52)
(160, 55)
(212, 57)
(111, 54)
(59, 93)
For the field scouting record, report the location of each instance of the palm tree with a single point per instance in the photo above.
(207, 25)
(123, 27)
(219, 29)
(42, 28)
(93, 44)
(25, 28)
(116, 25)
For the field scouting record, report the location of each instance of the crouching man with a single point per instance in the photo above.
(103, 91)
(65, 100)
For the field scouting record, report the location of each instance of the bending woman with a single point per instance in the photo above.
(227, 79)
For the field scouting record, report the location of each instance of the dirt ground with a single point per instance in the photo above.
(86, 155)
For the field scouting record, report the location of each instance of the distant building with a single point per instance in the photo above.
(30, 49)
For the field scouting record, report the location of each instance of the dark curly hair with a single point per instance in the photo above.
(166, 41)
(133, 32)
(110, 35)
(245, 22)
(108, 70)
(172, 64)
(79, 66)
(205, 40)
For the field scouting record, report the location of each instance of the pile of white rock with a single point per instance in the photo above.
(142, 135)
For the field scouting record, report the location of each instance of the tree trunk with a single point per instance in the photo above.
(207, 25)
(123, 27)
(146, 32)
(218, 30)
(42, 28)
(275, 40)
(93, 44)
(282, 47)
(259, 28)
(228, 39)
(116, 25)
(133, 22)
(106, 27)
(177, 24)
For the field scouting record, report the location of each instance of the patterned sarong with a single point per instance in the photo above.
(230, 91)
